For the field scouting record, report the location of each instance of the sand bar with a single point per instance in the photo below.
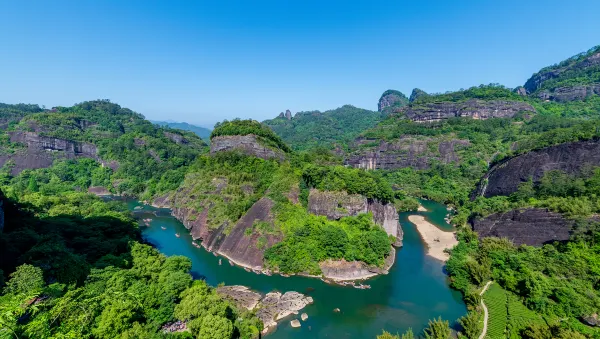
(437, 240)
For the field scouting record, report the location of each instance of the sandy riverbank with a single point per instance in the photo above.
(421, 209)
(437, 240)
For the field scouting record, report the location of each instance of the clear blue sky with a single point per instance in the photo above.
(202, 62)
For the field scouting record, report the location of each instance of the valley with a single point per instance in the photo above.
(367, 221)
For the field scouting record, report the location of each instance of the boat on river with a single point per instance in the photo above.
(177, 235)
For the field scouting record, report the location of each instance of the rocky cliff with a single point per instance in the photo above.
(248, 144)
(404, 152)
(473, 108)
(336, 205)
(505, 177)
(531, 226)
(41, 151)
(589, 61)
(391, 99)
(234, 241)
(563, 94)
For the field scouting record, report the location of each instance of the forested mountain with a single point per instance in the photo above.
(521, 169)
(200, 131)
(333, 128)
(143, 158)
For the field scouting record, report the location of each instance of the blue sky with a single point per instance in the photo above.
(202, 62)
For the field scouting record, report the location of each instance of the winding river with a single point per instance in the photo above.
(414, 291)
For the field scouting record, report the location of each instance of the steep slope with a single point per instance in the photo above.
(391, 100)
(323, 129)
(248, 206)
(576, 78)
(571, 158)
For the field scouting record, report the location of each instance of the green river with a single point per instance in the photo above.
(415, 290)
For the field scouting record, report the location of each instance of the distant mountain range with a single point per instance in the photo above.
(202, 132)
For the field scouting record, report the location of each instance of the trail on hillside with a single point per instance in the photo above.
(485, 310)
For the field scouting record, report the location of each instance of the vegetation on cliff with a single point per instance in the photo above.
(246, 127)
(227, 184)
(569, 72)
(146, 159)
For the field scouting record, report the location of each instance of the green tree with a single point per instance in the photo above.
(216, 327)
(438, 329)
(27, 279)
(470, 324)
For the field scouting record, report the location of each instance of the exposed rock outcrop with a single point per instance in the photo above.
(271, 308)
(98, 190)
(42, 151)
(342, 270)
(391, 99)
(563, 94)
(249, 144)
(531, 226)
(229, 241)
(336, 205)
(537, 80)
(404, 152)
(505, 177)
(476, 109)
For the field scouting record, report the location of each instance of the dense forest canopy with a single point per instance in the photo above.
(333, 128)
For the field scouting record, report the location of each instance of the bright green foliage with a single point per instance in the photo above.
(471, 324)
(483, 92)
(311, 240)
(150, 158)
(438, 329)
(328, 129)
(387, 335)
(496, 301)
(130, 302)
(229, 183)
(353, 181)
(27, 279)
(245, 127)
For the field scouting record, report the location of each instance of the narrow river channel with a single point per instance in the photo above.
(414, 291)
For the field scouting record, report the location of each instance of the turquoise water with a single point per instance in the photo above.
(414, 291)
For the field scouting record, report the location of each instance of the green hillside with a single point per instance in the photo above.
(327, 129)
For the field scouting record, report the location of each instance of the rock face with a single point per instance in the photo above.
(231, 242)
(390, 99)
(505, 177)
(342, 270)
(271, 308)
(537, 80)
(336, 205)
(563, 94)
(249, 144)
(476, 109)
(404, 152)
(532, 226)
(42, 151)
